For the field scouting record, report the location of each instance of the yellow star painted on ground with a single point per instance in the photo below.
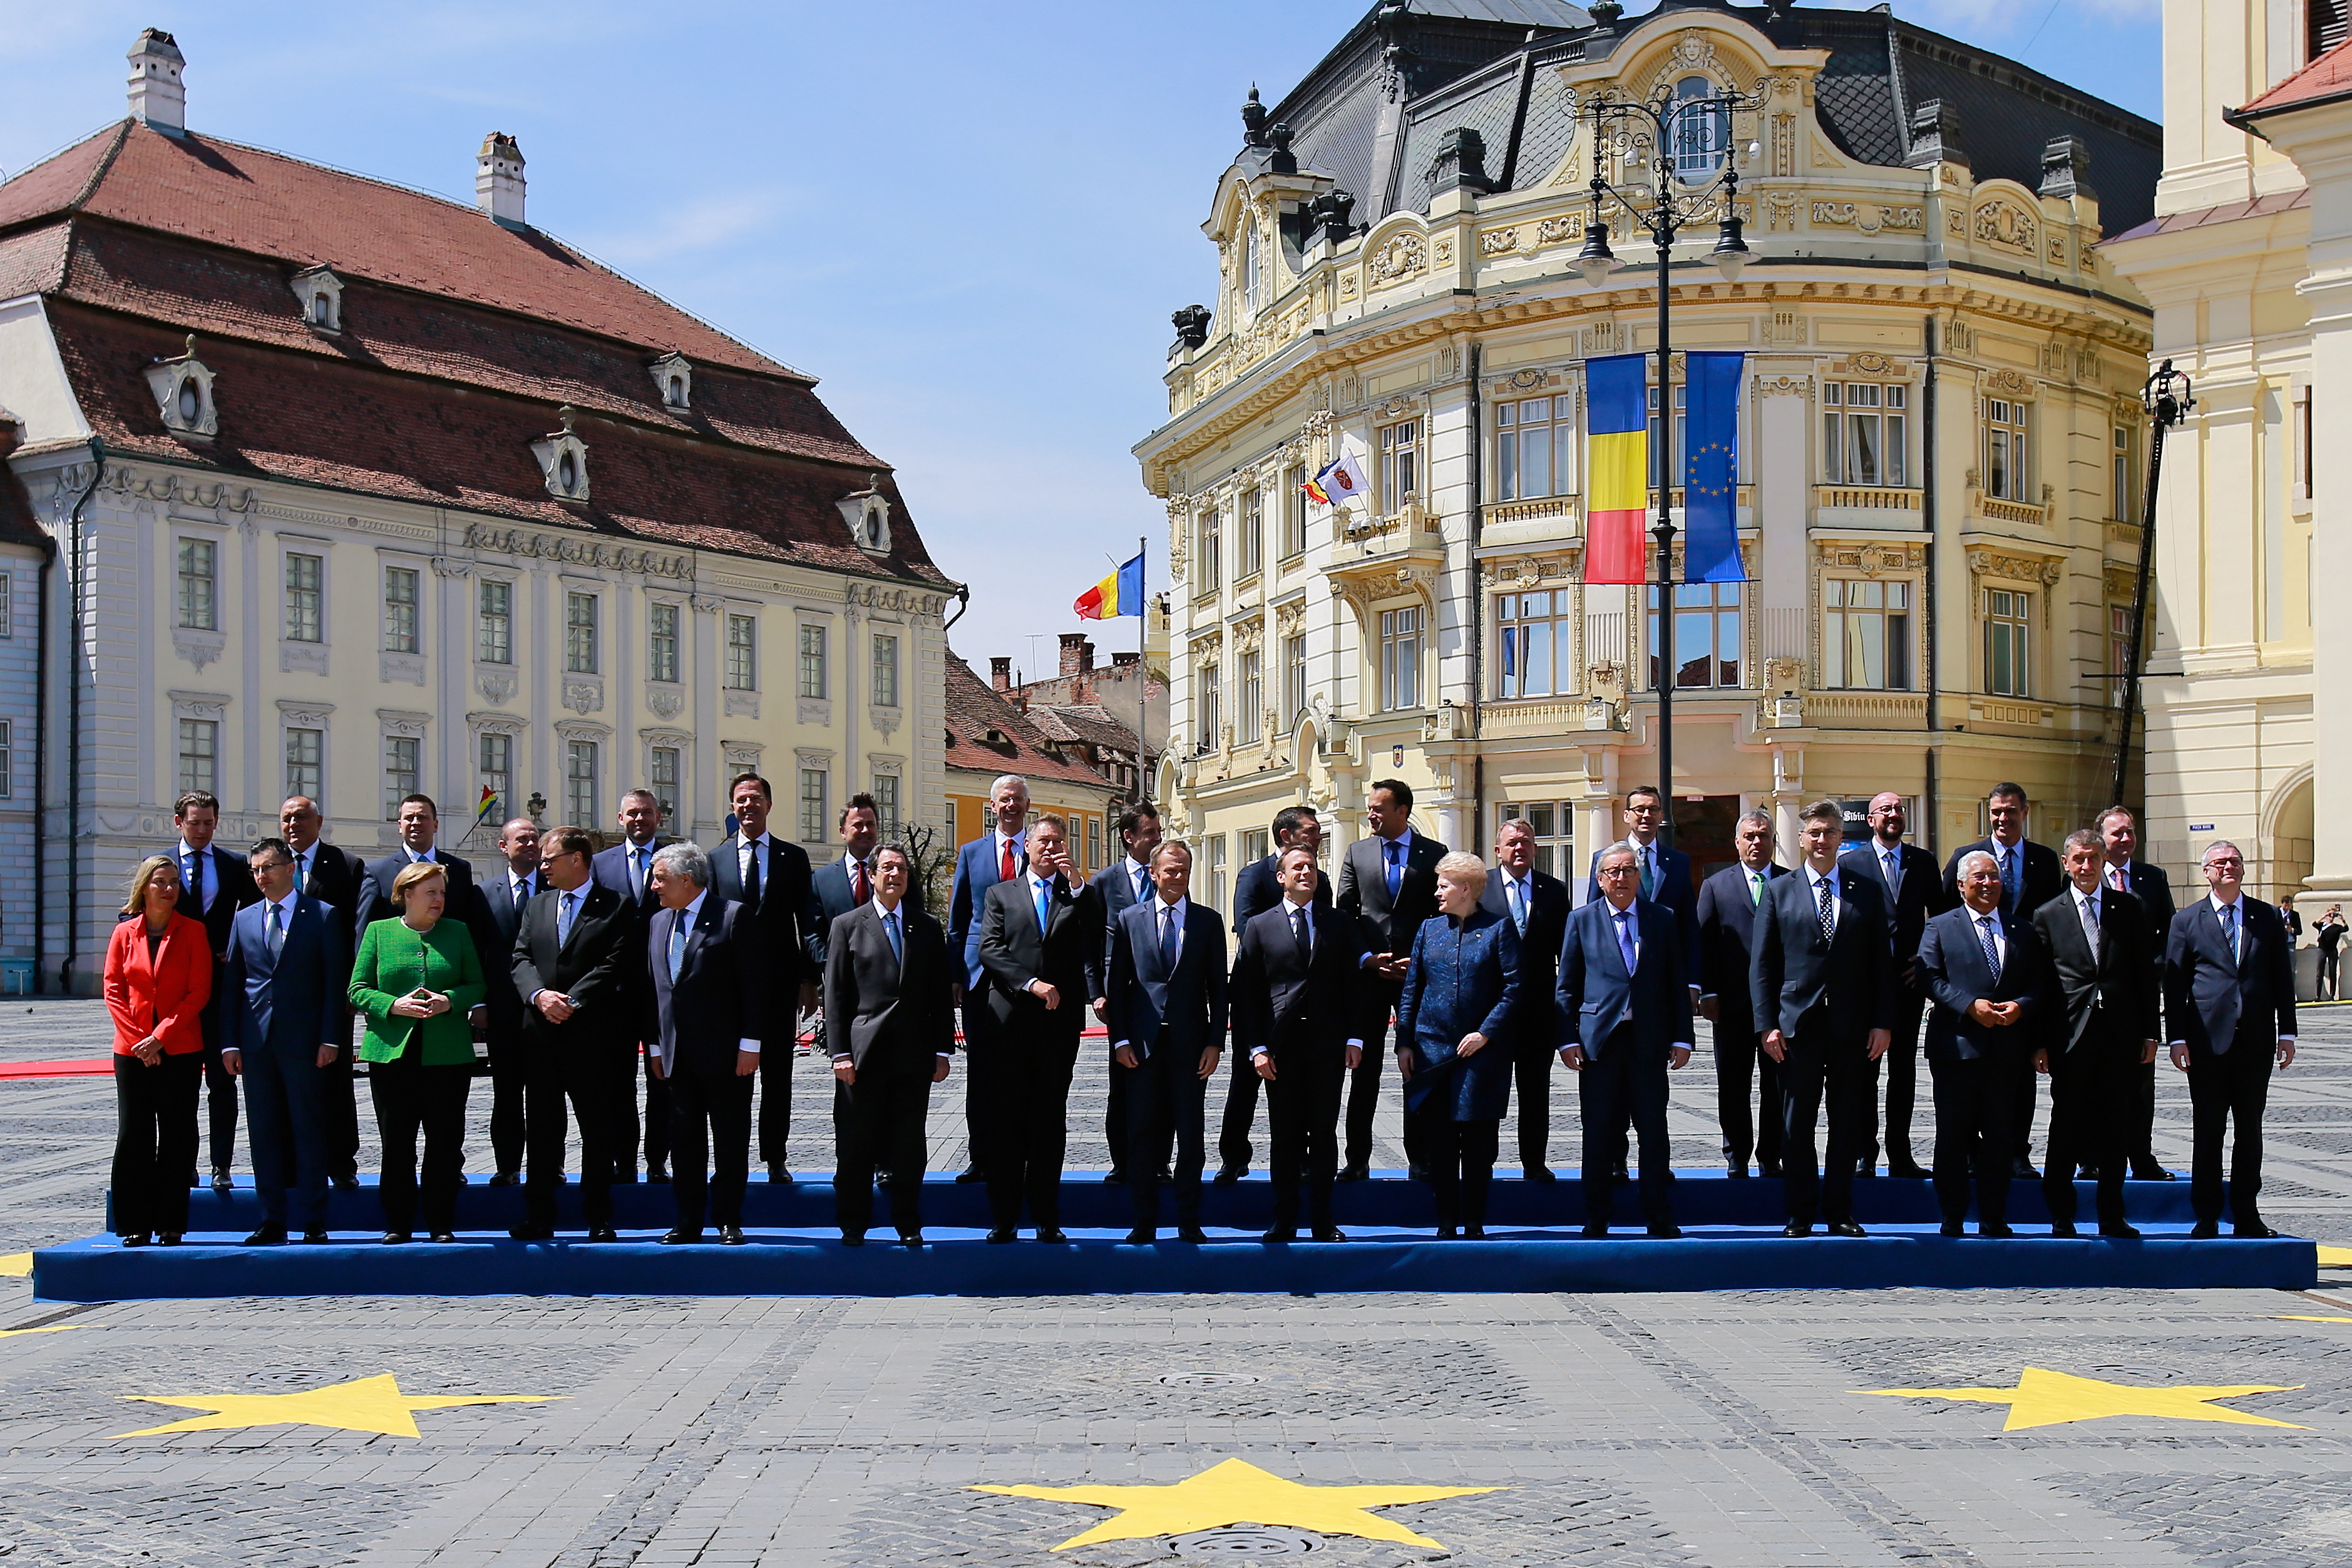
(1236, 1492)
(362, 1404)
(15, 1265)
(2329, 1256)
(2046, 1398)
(62, 1328)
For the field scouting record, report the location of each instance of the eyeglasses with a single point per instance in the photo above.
(1617, 871)
(2224, 861)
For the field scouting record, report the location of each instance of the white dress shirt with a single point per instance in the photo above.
(1292, 905)
(1813, 893)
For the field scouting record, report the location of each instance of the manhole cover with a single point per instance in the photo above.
(293, 1375)
(1245, 1541)
(1208, 1379)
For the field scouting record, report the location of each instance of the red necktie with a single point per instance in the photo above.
(1007, 871)
(861, 889)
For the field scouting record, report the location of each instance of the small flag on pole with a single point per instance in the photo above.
(1343, 481)
(489, 803)
(1617, 459)
(1121, 594)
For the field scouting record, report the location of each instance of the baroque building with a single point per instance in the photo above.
(1939, 441)
(2249, 709)
(351, 491)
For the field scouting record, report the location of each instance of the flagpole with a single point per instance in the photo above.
(1142, 661)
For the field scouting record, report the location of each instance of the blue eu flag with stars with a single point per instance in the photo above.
(1711, 470)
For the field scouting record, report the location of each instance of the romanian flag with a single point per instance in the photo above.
(1121, 594)
(489, 803)
(1617, 469)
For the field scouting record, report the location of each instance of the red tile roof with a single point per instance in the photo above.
(2329, 76)
(975, 709)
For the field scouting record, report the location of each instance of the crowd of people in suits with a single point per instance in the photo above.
(577, 965)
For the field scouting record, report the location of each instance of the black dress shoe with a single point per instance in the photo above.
(1143, 1235)
(347, 1184)
(1002, 1235)
(779, 1176)
(1354, 1173)
(532, 1233)
(2151, 1171)
(1769, 1168)
(910, 1238)
(507, 1178)
(1329, 1233)
(972, 1174)
(2064, 1229)
(320, 1238)
(1621, 1175)
(626, 1176)
(1228, 1175)
(1192, 1233)
(1667, 1232)
(1995, 1232)
(2257, 1231)
(2205, 1230)
(395, 1237)
(1845, 1228)
(167, 1239)
(2021, 1169)
(1736, 1173)
(1594, 1233)
(1448, 1233)
(1474, 1233)
(679, 1236)
(881, 1179)
(2119, 1232)
(1279, 1235)
(1907, 1168)
(1952, 1227)
(1052, 1236)
(852, 1238)
(1538, 1173)
(446, 1237)
(133, 1238)
(730, 1235)
(1796, 1228)
(602, 1233)
(222, 1181)
(1116, 1178)
(657, 1173)
(1865, 1173)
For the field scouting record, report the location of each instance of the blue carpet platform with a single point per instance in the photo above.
(1731, 1242)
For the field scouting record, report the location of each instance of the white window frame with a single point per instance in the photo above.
(1852, 624)
(812, 670)
(742, 673)
(1403, 639)
(1524, 426)
(582, 655)
(1401, 474)
(2008, 635)
(183, 547)
(315, 784)
(1856, 415)
(293, 599)
(403, 618)
(663, 648)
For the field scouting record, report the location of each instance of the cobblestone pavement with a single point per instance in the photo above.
(1725, 1430)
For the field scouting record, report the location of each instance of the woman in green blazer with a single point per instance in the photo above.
(416, 978)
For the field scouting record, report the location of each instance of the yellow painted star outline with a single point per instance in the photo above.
(1236, 1492)
(2047, 1398)
(362, 1405)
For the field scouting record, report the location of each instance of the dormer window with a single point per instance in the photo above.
(673, 379)
(184, 394)
(321, 296)
(563, 462)
(868, 512)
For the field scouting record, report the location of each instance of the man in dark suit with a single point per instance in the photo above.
(757, 869)
(1037, 940)
(1726, 927)
(286, 970)
(891, 1028)
(1168, 1018)
(1625, 1012)
(1301, 1014)
(2229, 1005)
(1128, 882)
(843, 884)
(215, 883)
(1536, 904)
(497, 914)
(627, 868)
(1389, 882)
(2149, 883)
(1913, 893)
(1666, 872)
(2030, 878)
(1001, 854)
(1255, 891)
(419, 821)
(711, 968)
(1985, 972)
(338, 879)
(1823, 989)
(2100, 1029)
(577, 958)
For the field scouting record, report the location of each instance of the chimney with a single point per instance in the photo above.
(1077, 653)
(498, 180)
(999, 672)
(1121, 661)
(158, 100)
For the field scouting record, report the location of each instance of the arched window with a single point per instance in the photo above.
(1252, 271)
(1702, 132)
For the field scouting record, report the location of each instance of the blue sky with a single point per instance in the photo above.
(971, 221)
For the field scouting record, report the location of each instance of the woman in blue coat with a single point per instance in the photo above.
(1454, 1046)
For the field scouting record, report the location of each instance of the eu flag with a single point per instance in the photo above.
(1711, 470)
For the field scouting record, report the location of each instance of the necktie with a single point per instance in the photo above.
(1298, 931)
(563, 918)
(1044, 904)
(1648, 875)
(2229, 929)
(1518, 905)
(522, 890)
(1992, 948)
(641, 872)
(1755, 888)
(2090, 923)
(2009, 859)
(1396, 868)
(1625, 948)
(303, 870)
(1893, 875)
(2116, 880)
(752, 874)
(858, 889)
(1005, 870)
(677, 942)
(196, 883)
(1167, 939)
(890, 929)
(1829, 910)
(277, 929)
(1142, 876)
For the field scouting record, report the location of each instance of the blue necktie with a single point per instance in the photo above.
(1625, 948)
(1298, 930)
(1044, 904)
(2008, 881)
(1518, 905)
(677, 942)
(1396, 868)
(563, 921)
(277, 929)
(1167, 939)
(1992, 948)
(1648, 875)
(890, 929)
(1142, 881)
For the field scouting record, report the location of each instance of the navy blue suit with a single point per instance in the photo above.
(285, 1006)
(1627, 1024)
(1257, 889)
(227, 888)
(1539, 1035)
(720, 999)
(1974, 1063)
(1916, 896)
(1671, 886)
(977, 866)
(2230, 1013)
(1464, 979)
(497, 916)
(1169, 1018)
(1115, 885)
(610, 868)
(1302, 1007)
(1726, 929)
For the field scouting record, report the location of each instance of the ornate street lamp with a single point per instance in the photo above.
(2169, 400)
(1685, 147)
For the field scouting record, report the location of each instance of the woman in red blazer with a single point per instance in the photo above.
(159, 974)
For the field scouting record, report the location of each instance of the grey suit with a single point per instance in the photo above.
(887, 1012)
